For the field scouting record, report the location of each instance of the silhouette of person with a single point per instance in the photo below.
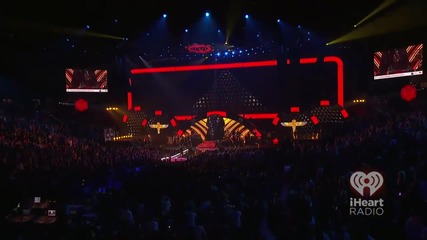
(215, 127)
(394, 61)
(84, 78)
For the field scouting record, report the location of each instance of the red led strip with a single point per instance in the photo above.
(340, 77)
(307, 60)
(259, 115)
(276, 121)
(144, 122)
(221, 113)
(269, 63)
(173, 122)
(130, 102)
(344, 113)
(125, 118)
(184, 117)
(314, 119)
(324, 103)
(257, 133)
(295, 109)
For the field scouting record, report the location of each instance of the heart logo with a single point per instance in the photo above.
(373, 180)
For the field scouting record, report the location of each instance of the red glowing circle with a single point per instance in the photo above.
(200, 48)
(408, 92)
(275, 141)
(81, 105)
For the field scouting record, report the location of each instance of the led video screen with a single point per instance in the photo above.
(398, 62)
(246, 89)
(86, 80)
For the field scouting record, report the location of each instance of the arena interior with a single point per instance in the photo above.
(213, 120)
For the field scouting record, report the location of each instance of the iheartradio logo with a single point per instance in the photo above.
(359, 181)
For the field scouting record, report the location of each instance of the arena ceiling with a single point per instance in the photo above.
(35, 24)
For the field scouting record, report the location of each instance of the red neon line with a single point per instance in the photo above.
(184, 117)
(294, 109)
(257, 133)
(204, 67)
(158, 112)
(144, 122)
(308, 60)
(259, 115)
(221, 113)
(344, 113)
(324, 103)
(340, 77)
(129, 101)
(180, 132)
(276, 121)
(125, 118)
(173, 122)
(314, 119)
(137, 108)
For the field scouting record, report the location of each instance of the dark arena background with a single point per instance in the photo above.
(208, 120)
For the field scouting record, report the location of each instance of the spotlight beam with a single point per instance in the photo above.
(27, 26)
(405, 18)
(381, 7)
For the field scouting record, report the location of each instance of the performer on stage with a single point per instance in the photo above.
(215, 127)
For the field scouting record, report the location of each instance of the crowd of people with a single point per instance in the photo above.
(294, 190)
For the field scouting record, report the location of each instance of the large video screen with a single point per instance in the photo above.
(86, 80)
(398, 62)
(253, 89)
